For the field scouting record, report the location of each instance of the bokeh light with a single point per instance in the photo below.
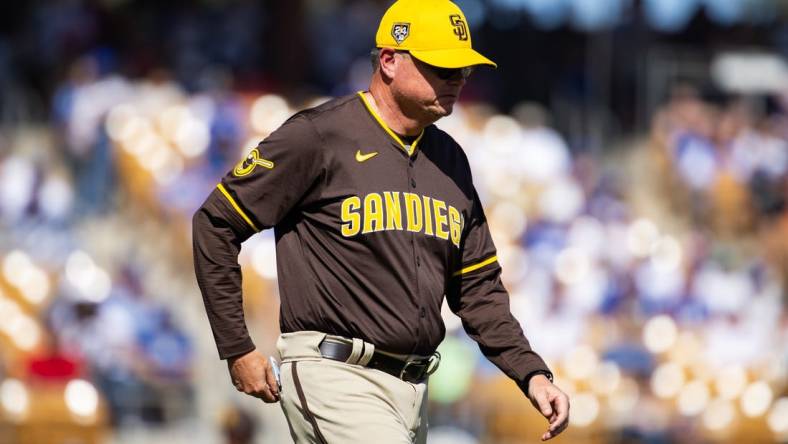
(669, 15)
(585, 409)
(508, 219)
(192, 137)
(686, 349)
(719, 415)
(778, 418)
(56, 197)
(667, 380)
(694, 398)
(562, 200)
(170, 120)
(572, 266)
(666, 254)
(119, 122)
(606, 379)
(588, 293)
(503, 134)
(756, 399)
(168, 171)
(268, 112)
(264, 257)
(660, 333)
(23, 330)
(91, 281)
(588, 234)
(451, 321)
(731, 381)
(22, 273)
(642, 237)
(146, 144)
(14, 398)
(15, 264)
(514, 263)
(581, 362)
(132, 131)
(81, 398)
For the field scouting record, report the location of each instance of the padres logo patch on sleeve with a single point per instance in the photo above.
(251, 161)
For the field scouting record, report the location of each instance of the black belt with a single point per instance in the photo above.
(411, 371)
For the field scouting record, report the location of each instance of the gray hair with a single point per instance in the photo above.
(374, 58)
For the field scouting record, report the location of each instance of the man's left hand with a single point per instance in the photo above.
(551, 402)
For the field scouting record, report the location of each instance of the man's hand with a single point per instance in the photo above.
(252, 374)
(551, 402)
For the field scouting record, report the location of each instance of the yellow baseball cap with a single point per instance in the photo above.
(434, 31)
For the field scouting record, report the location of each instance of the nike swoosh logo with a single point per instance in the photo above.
(364, 157)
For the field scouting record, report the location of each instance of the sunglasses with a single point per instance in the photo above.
(443, 73)
(450, 73)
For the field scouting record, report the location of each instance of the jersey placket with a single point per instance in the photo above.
(411, 153)
(422, 312)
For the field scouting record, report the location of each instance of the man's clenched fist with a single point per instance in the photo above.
(252, 374)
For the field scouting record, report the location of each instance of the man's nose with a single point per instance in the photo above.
(457, 79)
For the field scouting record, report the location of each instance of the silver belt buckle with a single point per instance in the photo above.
(432, 365)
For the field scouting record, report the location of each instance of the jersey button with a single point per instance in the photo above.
(418, 261)
(423, 312)
(413, 182)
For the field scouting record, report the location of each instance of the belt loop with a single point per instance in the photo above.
(366, 355)
(355, 354)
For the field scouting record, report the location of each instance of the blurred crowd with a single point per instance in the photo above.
(725, 164)
(76, 300)
(654, 277)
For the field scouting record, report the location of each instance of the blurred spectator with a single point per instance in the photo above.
(238, 426)
(80, 105)
(140, 360)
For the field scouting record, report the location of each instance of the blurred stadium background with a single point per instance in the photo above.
(632, 156)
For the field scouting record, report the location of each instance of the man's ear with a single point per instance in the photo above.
(388, 62)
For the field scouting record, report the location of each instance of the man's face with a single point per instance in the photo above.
(423, 89)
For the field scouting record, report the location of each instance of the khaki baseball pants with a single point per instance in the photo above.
(327, 401)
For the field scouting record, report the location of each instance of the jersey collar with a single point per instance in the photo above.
(387, 129)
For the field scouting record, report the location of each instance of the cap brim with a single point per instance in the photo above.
(452, 58)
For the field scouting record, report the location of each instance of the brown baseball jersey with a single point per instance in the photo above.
(371, 234)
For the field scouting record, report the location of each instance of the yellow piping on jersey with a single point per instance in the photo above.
(388, 130)
(476, 266)
(235, 205)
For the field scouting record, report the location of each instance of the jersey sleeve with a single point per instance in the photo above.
(215, 247)
(479, 298)
(276, 176)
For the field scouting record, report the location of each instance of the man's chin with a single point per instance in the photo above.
(442, 109)
(447, 103)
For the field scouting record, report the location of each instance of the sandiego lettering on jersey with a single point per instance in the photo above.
(392, 210)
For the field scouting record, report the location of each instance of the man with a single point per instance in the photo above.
(376, 220)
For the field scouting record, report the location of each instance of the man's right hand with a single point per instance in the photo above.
(252, 374)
